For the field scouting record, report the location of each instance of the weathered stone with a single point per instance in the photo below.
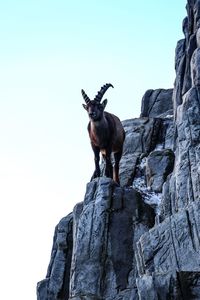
(169, 204)
(196, 14)
(179, 53)
(185, 28)
(56, 284)
(168, 134)
(195, 67)
(198, 38)
(187, 159)
(173, 244)
(180, 65)
(169, 286)
(141, 137)
(159, 165)
(103, 241)
(42, 289)
(127, 169)
(190, 47)
(156, 102)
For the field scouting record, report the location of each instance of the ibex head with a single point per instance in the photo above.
(94, 107)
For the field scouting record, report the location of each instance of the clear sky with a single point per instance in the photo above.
(49, 50)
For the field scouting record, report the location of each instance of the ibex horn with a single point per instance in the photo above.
(102, 91)
(85, 97)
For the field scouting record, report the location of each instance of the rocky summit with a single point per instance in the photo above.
(141, 240)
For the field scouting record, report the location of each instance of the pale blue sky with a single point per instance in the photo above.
(49, 50)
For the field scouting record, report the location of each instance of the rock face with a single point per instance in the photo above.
(106, 228)
(159, 165)
(56, 284)
(155, 103)
(141, 240)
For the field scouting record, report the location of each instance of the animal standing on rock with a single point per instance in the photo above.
(106, 134)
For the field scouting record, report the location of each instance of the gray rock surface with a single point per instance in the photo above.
(183, 186)
(159, 165)
(105, 233)
(169, 286)
(56, 284)
(172, 244)
(141, 137)
(141, 240)
(157, 102)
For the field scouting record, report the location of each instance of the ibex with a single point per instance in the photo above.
(106, 134)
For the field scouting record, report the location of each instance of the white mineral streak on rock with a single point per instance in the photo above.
(139, 183)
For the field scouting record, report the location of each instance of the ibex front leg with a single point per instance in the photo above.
(97, 171)
(117, 156)
(109, 168)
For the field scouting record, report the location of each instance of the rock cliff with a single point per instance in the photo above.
(141, 240)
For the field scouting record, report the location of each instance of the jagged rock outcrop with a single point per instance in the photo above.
(56, 284)
(155, 103)
(184, 185)
(106, 228)
(174, 244)
(141, 240)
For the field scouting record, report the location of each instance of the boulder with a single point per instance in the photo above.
(156, 103)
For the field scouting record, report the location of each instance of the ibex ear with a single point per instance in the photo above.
(84, 106)
(104, 103)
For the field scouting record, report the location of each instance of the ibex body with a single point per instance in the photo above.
(106, 134)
